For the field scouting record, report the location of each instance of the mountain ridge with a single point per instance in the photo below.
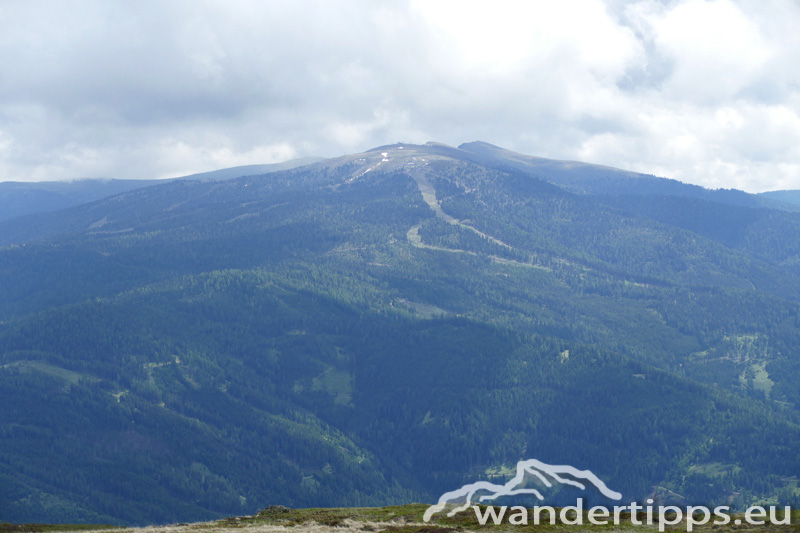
(600, 179)
(26, 198)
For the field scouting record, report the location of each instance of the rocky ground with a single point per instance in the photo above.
(402, 519)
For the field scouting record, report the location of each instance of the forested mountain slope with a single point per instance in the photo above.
(788, 197)
(25, 198)
(599, 179)
(380, 328)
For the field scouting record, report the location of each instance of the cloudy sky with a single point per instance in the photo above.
(705, 91)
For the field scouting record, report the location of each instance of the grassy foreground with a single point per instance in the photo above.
(398, 519)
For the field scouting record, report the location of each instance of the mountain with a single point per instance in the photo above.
(25, 198)
(384, 327)
(787, 197)
(603, 180)
(764, 226)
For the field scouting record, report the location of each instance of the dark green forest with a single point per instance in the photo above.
(375, 330)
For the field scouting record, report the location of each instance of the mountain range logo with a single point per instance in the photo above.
(528, 472)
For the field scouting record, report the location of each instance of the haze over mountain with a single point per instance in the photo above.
(385, 326)
(789, 197)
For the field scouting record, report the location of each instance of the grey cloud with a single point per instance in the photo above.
(150, 89)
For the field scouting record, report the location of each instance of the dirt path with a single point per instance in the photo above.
(429, 196)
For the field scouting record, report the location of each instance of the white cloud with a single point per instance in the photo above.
(701, 90)
(714, 49)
